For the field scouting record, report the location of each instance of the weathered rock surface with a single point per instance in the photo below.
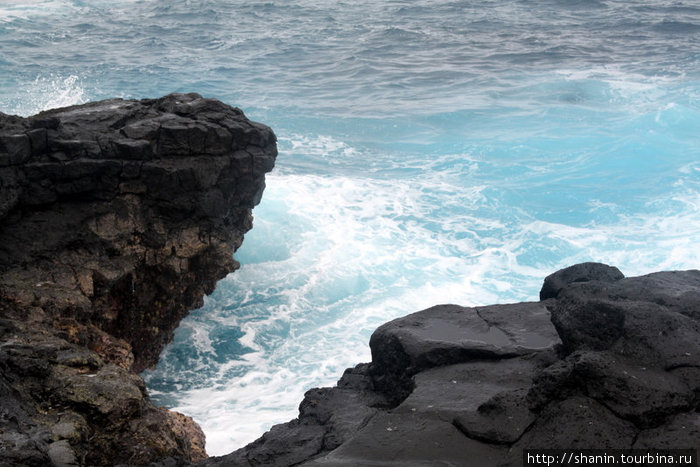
(116, 217)
(602, 361)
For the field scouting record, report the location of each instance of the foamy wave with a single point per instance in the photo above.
(334, 256)
(49, 92)
(633, 92)
(321, 145)
(25, 9)
(661, 239)
(363, 254)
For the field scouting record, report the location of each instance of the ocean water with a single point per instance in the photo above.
(442, 151)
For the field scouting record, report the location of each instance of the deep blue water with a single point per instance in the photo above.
(430, 152)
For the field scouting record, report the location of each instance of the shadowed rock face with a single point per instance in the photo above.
(602, 361)
(116, 217)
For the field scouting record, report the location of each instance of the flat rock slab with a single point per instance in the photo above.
(485, 400)
(449, 334)
(411, 439)
(455, 390)
(491, 331)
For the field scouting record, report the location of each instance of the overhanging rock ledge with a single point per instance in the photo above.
(116, 217)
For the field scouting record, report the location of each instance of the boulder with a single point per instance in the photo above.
(649, 318)
(583, 272)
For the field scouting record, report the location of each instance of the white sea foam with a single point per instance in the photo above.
(333, 257)
(25, 9)
(366, 255)
(320, 145)
(49, 92)
(635, 92)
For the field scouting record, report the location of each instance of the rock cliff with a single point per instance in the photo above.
(116, 217)
(601, 361)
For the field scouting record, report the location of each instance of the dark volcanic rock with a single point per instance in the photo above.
(577, 422)
(583, 272)
(640, 317)
(447, 334)
(410, 440)
(129, 210)
(630, 388)
(116, 217)
(328, 417)
(476, 386)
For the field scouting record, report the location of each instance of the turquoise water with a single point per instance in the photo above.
(430, 152)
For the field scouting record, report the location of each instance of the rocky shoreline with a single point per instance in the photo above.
(116, 217)
(600, 362)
